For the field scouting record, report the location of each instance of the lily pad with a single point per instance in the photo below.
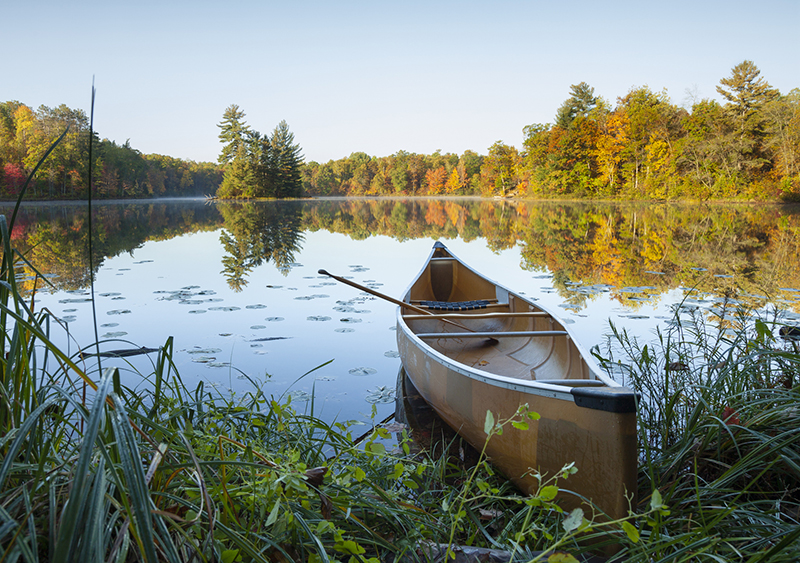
(300, 395)
(258, 327)
(344, 330)
(197, 311)
(256, 306)
(118, 334)
(350, 320)
(319, 318)
(226, 309)
(111, 294)
(381, 395)
(204, 351)
(203, 359)
(119, 312)
(273, 319)
(361, 371)
(109, 325)
(392, 354)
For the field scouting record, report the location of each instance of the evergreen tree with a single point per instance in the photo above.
(285, 160)
(233, 133)
(747, 94)
(581, 102)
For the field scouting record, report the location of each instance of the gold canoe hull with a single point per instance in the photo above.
(586, 418)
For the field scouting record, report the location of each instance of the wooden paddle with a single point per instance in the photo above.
(397, 302)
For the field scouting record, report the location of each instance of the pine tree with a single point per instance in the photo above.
(233, 133)
(286, 160)
(581, 101)
(747, 94)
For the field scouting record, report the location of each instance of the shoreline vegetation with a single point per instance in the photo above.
(96, 470)
(643, 147)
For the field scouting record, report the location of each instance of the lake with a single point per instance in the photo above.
(237, 284)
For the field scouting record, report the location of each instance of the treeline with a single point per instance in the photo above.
(120, 171)
(645, 147)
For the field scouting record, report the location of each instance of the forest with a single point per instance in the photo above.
(120, 171)
(644, 147)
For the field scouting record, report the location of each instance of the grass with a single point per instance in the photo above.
(93, 470)
(719, 435)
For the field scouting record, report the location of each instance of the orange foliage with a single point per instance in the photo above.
(435, 179)
(435, 214)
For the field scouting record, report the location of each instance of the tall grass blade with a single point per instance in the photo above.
(135, 481)
(75, 509)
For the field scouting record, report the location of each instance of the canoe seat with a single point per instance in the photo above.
(455, 305)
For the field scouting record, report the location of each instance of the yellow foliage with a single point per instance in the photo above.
(653, 247)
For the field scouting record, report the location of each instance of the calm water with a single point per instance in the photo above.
(237, 286)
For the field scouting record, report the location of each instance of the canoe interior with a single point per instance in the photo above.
(445, 279)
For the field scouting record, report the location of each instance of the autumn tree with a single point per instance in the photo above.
(782, 126)
(500, 170)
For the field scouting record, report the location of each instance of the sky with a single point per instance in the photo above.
(373, 76)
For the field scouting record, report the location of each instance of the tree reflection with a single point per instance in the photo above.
(257, 233)
(714, 248)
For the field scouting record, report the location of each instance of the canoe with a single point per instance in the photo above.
(480, 347)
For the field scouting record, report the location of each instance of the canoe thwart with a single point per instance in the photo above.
(517, 334)
(495, 315)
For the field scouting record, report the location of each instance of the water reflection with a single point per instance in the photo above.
(255, 234)
(636, 252)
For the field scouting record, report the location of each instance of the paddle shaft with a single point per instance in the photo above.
(385, 297)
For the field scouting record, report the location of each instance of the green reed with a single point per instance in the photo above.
(719, 432)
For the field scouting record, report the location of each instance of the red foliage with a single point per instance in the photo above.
(12, 179)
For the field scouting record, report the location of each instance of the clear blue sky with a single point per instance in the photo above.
(369, 75)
